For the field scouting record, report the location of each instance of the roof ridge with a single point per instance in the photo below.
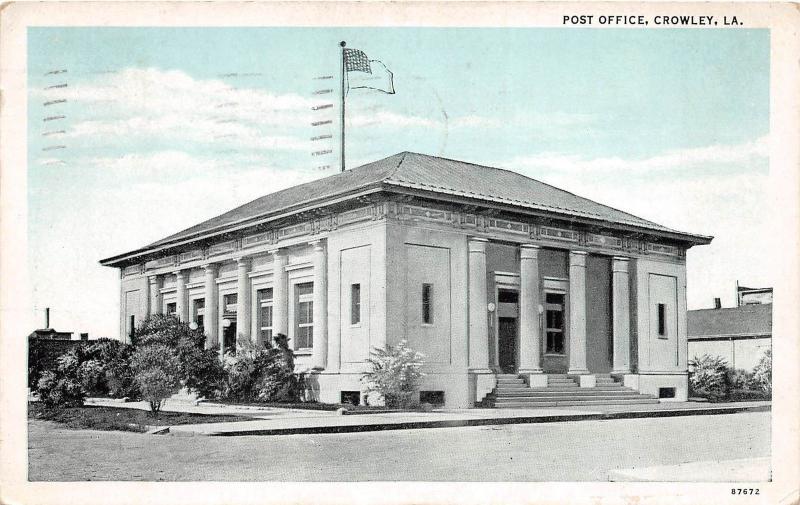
(540, 182)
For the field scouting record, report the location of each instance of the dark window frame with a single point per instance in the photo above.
(427, 303)
(355, 304)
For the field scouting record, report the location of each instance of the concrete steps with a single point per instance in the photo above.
(512, 392)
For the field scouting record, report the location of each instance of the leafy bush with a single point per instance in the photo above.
(258, 373)
(202, 372)
(396, 374)
(762, 373)
(276, 380)
(62, 387)
(157, 374)
(56, 389)
(92, 376)
(739, 379)
(708, 377)
(200, 369)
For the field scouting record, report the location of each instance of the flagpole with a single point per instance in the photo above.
(342, 44)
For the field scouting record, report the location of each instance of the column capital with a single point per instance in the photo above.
(210, 267)
(152, 278)
(477, 244)
(278, 251)
(529, 251)
(180, 274)
(319, 244)
(577, 258)
(620, 264)
(243, 261)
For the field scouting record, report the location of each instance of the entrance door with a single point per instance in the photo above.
(229, 337)
(507, 344)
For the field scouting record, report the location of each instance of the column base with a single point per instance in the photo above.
(535, 379)
(577, 371)
(587, 381)
(621, 372)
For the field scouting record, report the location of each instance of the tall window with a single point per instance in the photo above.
(229, 305)
(264, 297)
(662, 320)
(199, 310)
(131, 325)
(554, 320)
(172, 308)
(427, 303)
(355, 303)
(304, 316)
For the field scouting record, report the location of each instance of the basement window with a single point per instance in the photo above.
(432, 397)
(351, 397)
(666, 392)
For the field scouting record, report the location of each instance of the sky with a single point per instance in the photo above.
(158, 129)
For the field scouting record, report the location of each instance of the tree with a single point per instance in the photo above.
(199, 368)
(157, 374)
(762, 373)
(396, 373)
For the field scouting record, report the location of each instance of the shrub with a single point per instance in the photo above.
(200, 369)
(762, 373)
(157, 374)
(276, 380)
(708, 377)
(203, 372)
(92, 376)
(739, 379)
(258, 373)
(396, 373)
(56, 389)
(62, 387)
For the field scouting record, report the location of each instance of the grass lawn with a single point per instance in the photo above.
(123, 419)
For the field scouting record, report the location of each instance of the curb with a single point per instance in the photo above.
(457, 423)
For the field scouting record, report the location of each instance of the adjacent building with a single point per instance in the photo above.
(483, 270)
(738, 334)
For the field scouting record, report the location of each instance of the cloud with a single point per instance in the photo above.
(142, 104)
(718, 154)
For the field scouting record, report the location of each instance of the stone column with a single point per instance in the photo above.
(530, 343)
(242, 299)
(155, 294)
(211, 318)
(478, 316)
(280, 293)
(621, 315)
(319, 359)
(577, 313)
(182, 302)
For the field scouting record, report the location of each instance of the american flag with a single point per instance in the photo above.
(356, 60)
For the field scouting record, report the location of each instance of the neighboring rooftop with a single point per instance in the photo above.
(744, 320)
(430, 174)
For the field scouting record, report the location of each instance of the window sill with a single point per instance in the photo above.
(555, 354)
(306, 351)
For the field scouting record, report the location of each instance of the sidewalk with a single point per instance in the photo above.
(734, 470)
(278, 421)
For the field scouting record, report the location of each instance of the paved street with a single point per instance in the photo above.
(566, 451)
